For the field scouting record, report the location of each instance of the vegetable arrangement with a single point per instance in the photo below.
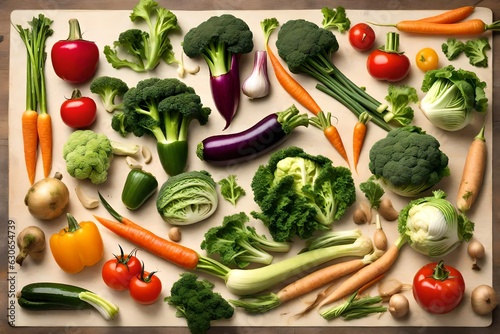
(301, 195)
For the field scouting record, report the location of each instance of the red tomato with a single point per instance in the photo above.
(118, 272)
(361, 37)
(79, 111)
(75, 60)
(145, 288)
(388, 66)
(438, 288)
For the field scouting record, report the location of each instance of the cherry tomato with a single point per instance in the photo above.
(438, 288)
(118, 272)
(427, 59)
(75, 60)
(388, 63)
(361, 37)
(78, 111)
(145, 288)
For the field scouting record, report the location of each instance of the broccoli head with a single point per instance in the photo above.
(408, 161)
(88, 155)
(238, 244)
(306, 47)
(146, 48)
(195, 300)
(164, 109)
(217, 40)
(109, 89)
(299, 193)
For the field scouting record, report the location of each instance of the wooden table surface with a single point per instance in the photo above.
(7, 6)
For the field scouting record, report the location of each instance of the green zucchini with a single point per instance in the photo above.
(59, 296)
(139, 186)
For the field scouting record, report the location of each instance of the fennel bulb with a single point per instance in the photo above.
(433, 226)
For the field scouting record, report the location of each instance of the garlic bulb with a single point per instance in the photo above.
(257, 85)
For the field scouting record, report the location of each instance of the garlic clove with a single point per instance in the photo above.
(257, 85)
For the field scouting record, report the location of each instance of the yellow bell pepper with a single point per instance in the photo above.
(77, 246)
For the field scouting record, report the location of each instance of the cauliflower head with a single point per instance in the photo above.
(88, 155)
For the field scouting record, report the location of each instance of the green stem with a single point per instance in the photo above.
(495, 26)
(72, 223)
(173, 156)
(74, 30)
(440, 272)
(106, 308)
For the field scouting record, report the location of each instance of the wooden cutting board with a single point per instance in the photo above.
(103, 27)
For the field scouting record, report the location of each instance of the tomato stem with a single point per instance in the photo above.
(74, 30)
(440, 272)
(391, 43)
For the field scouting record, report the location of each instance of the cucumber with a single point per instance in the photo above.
(53, 296)
(59, 296)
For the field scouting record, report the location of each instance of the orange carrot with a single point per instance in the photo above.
(323, 276)
(173, 252)
(285, 79)
(323, 122)
(450, 16)
(358, 137)
(44, 127)
(369, 284)
(366, 274)
(469, 27)
(30, 142)
(473, 173)
(34, 39)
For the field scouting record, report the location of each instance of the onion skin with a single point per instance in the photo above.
(48, 198)
(30, 240)
(399, 306)
(483, 299)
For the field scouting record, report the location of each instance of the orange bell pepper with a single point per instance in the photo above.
(77, 246)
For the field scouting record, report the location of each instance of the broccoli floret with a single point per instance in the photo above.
(299, 193)
(335, 19)
(195, 300)
(162, 108)
(475, 50)
(88, 155)
(217, 40)
(238, 244)
(452, 48)
(146, 48)
(408, 161)
(109, 90)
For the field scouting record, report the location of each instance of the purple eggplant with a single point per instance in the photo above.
(268, 133)
(226, 90)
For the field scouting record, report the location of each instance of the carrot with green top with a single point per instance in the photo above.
(34, 39)
(358, 137)
(323, 122)
(464, 28)
(289, 84)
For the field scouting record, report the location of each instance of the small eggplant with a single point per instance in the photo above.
(265, 135)
(226, 91)
(139, 186)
